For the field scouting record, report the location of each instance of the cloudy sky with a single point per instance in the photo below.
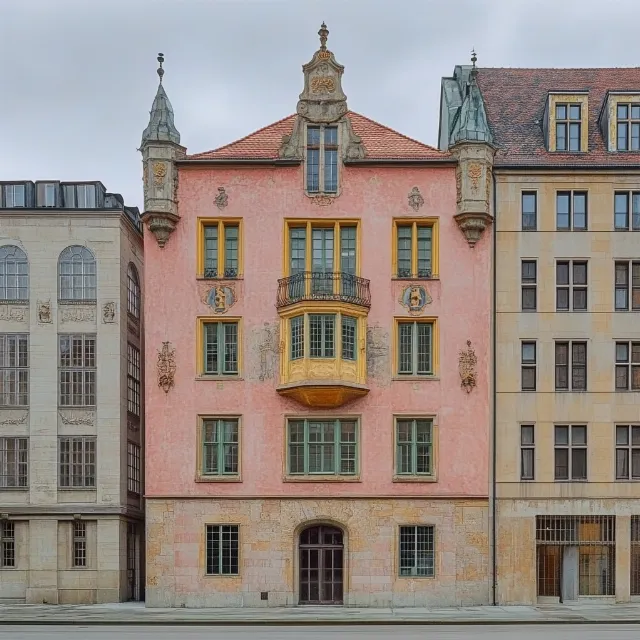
(78, 76)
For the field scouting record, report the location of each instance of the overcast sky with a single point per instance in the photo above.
(78, 76)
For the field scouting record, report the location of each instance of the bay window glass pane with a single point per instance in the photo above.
(348, 338)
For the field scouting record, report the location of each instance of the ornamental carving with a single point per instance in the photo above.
(474, 171)
(222, 199)
(77, 419)
(166, 367)
(14, 419)
(78, 314)
(415, 199)
(109, 312)
(415, 298)
(458, 184)
(488, 192)
(161, 225)
(269, 350)
(9, 313)
(44, 312)
(323, 84)
(159, 172)
(322, 201)
(467, 362)
(473, 224)
(219, 297)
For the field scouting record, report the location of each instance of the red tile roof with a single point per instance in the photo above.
(515, 100)
(381, 143)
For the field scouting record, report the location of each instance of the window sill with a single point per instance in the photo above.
(585, 481)
(219, 278)
(320, 478)
(14, 488)
(627, 390)
(417, 577)
(627, 310)
(410, 278)
(215, 479)
(408, 478)
(77, 488)
(11, 569)
(208, 576)
(571, 391)
(16, 302)
(398, 378)
(77, 302)
(219, 378)
(77, 407)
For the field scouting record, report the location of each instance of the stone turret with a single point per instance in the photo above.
(471, 142)
(160, 148)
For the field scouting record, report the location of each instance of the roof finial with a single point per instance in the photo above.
(323, 33)
(160, 69)
(474, 59)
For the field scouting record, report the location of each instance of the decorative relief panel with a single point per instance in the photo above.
(322, 201)
(415, 199)
(77, 314)
(44, 312)
(414, 298)
(159, 173)
(13, 313)
(377, 352)
(222, 199)
(269, 349)
(467, 362)
(166, 366)
(13, 417)
(77, 418)
(219, 297)
(109, 312)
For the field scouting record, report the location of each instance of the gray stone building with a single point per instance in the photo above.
(71, 405)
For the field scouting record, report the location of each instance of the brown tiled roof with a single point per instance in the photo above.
(515, 100)
(381, 143)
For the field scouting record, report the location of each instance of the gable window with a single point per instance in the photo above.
(627, 452)
(529, 210)
(133, 291)
(14, 370)
(220, 451)
(14, 274)
(568, 126)
(15, 195)
(77, 274)
(627, 210)
(627, 285)
(414, 244)
(414, 447)
(529, 285)
(571, 210)
(322, 447)
(571, 285)
(571, 357)
(571, 452)
(628, 127)
(220, 254)
(322, 159)
(627, 366)
(220, 348)
(415, 348)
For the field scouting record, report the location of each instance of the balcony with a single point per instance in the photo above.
(314, 286)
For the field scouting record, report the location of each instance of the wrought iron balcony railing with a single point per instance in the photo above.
(320, 285)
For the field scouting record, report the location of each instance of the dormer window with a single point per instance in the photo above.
(47, 194)
(322, 159)
(628, 127)
(15, 195)
(568, 127)
(80, 196)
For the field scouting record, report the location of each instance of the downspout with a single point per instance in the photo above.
(494, 396)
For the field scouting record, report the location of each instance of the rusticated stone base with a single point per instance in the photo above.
(269, 530)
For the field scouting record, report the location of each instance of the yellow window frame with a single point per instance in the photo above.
(435, 346)
(200, 322)
(583, 101)
(434, 224)
(221, 223)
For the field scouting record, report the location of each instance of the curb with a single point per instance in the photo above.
(318, 622)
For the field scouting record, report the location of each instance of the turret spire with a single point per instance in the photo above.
(161, 125)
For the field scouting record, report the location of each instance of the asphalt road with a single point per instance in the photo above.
(522, 632)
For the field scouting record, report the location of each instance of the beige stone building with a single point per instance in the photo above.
(566, 491)
(71, 432)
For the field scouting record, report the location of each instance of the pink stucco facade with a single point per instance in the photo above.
(270, 506)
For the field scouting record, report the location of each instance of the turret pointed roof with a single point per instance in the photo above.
(161, 125)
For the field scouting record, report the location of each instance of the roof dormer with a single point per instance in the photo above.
(620, 121)
(566, 122)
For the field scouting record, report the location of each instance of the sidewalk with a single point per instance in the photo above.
(137, 614)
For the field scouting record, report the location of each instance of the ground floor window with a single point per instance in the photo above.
(223, 549)
(635, 555)
(575, 556)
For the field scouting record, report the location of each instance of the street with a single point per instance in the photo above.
(480, 632)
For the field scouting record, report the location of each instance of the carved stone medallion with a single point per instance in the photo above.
(11, 313)
(415, 199)
(166, 367)
(467, 362)
(222, 199)
(159, 172)
(415, 298)
(109, 312)
(219, 297)
(44, 312)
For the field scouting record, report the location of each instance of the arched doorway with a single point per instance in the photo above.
(321, 565)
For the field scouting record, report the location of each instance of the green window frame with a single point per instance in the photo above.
(414, 447)
(220, 446)
(322, 332)
(349, 337)
(415, 348)
(297, 337)
(231, 240)
(211, 251)
(220, 343)
(222, 549)
(417, 551)
(322, 447)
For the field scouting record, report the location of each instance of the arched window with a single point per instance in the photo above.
(77, 274)
(133, 291)
(14, 273)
